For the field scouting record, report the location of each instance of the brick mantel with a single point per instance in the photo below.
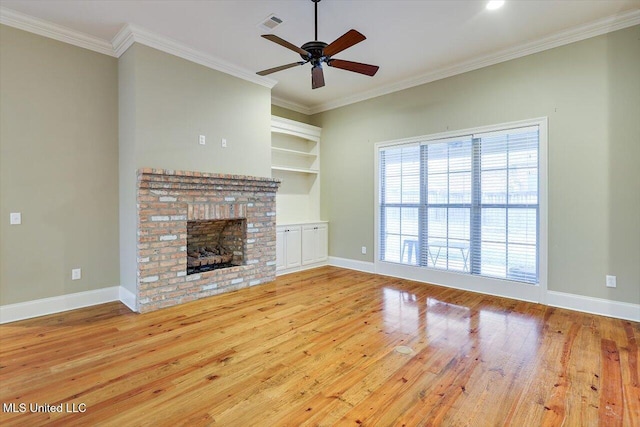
(166, 200)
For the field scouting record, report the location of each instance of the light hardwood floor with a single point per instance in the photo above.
(318, 348)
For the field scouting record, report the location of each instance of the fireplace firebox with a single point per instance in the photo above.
(215, 244)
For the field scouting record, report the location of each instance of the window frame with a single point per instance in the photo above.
(476, 283)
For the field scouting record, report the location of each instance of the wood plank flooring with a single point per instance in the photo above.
(318, 348)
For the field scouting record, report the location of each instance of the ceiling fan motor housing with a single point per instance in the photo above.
(315, 48)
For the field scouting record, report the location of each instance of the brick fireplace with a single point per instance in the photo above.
(181, 212)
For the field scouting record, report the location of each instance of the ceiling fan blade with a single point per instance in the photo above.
(356, 67)
(343, 42)
(281, 42)
(280, 68)
(317, 77)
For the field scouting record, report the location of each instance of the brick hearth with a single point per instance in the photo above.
(167, 199)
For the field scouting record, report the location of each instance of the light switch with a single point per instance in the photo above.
(15, 218)
(202, 140)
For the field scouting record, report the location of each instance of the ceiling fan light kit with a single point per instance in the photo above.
(317, 52)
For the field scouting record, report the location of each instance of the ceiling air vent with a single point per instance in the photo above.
(270, 22)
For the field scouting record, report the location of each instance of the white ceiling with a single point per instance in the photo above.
(412, 41)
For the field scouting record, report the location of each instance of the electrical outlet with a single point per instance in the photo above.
(202, 140)
(76, 274)
(611, 281)
(15, 218)
(224, 143)
(364, 250)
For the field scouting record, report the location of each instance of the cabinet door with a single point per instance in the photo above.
(309, 244)
(292, 247)
(314, 243)
(322, 239)
(280, 251)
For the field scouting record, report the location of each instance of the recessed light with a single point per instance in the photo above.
(495, 4)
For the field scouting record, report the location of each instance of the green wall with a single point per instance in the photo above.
(75, 127)
(290, 114)
(165, 103)
(58, 167)
(590, 92)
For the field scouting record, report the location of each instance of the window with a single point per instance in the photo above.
(468, 204)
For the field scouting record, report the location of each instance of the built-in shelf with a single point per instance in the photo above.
(288, 169)
(295, 161)
(293, 152)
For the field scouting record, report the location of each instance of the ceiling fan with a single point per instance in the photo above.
(317, 52)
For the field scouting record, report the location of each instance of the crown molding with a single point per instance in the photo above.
(593, 29)
(122, 40)
(130, 34)
(290, 105)
(54, 31)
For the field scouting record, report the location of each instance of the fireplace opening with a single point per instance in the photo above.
(215, 244)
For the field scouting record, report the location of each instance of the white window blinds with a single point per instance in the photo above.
(467, 204)
(400, 202)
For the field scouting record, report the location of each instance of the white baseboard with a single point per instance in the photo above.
(603, 307)
(127, 298)
(600, 306)
(45, 306)
(352, 264)
(300, 268)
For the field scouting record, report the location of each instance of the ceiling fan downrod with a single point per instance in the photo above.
(316, 9)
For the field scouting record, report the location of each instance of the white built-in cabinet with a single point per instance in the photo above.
(301, 246)
(301, 237)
